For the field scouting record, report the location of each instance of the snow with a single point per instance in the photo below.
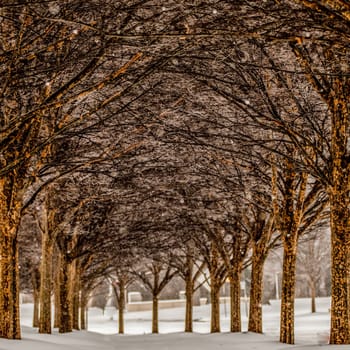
(311, 331)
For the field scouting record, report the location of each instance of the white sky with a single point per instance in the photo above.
(311, 331)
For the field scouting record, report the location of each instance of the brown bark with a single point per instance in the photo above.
(287, 296)
(57, 316)
(121, 305)
(336, 95)
(256, 293)
(235, 297)
(340, 216)
(155, 328)
(75, 290)
(156, 285)
(36, 309)
(83, 310)
(290, 220)
(46, 284)
(9, 292)
(260, 248)
(232, 258)
(234, 273)
(189, 302)
(215, 306)
(65, 325)
(36, 296)
(215, 285)
(9, 299)
(313, 297)
(339, 305)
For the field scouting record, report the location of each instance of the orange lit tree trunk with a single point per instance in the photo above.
(10, 207)
(295, 204)
(234, 274)
(288, 289)
(235, 298)
(340, 211)
(335, 91)
(289, 234)
(217, 275)
(256, 292)
(260, 242)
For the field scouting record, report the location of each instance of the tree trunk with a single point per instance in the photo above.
(36, 299)
(65, 297)
(313, 296)
(36, 296)
(57, 305)
(340, 216)
(121, 305)
(189, 303)
(235, 300)
(83, 310)
(45, 284)
(155, 315)
(9, 294)
(294, 196)
(75, 290)
(10, 207)
(339, 333)
(287, 295)
(256, 293)
(215, 306)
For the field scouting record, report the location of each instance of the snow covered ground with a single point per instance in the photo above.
(311, 331)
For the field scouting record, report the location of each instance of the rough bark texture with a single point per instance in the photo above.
(9, 293)
(65, 297)
(287, 296)
(215, 285)
(155, 328)
(36, 296)
(235, 297)
(340, 217)
(291, 215)
(256, 293)
(215, 306)
(46, 284)
(189, 303)
(335, 92)
(9, 300)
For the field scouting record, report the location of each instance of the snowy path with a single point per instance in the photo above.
(310, 329)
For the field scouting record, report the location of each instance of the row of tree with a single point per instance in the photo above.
(129, 125)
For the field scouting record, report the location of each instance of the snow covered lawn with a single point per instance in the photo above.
(311, 331)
